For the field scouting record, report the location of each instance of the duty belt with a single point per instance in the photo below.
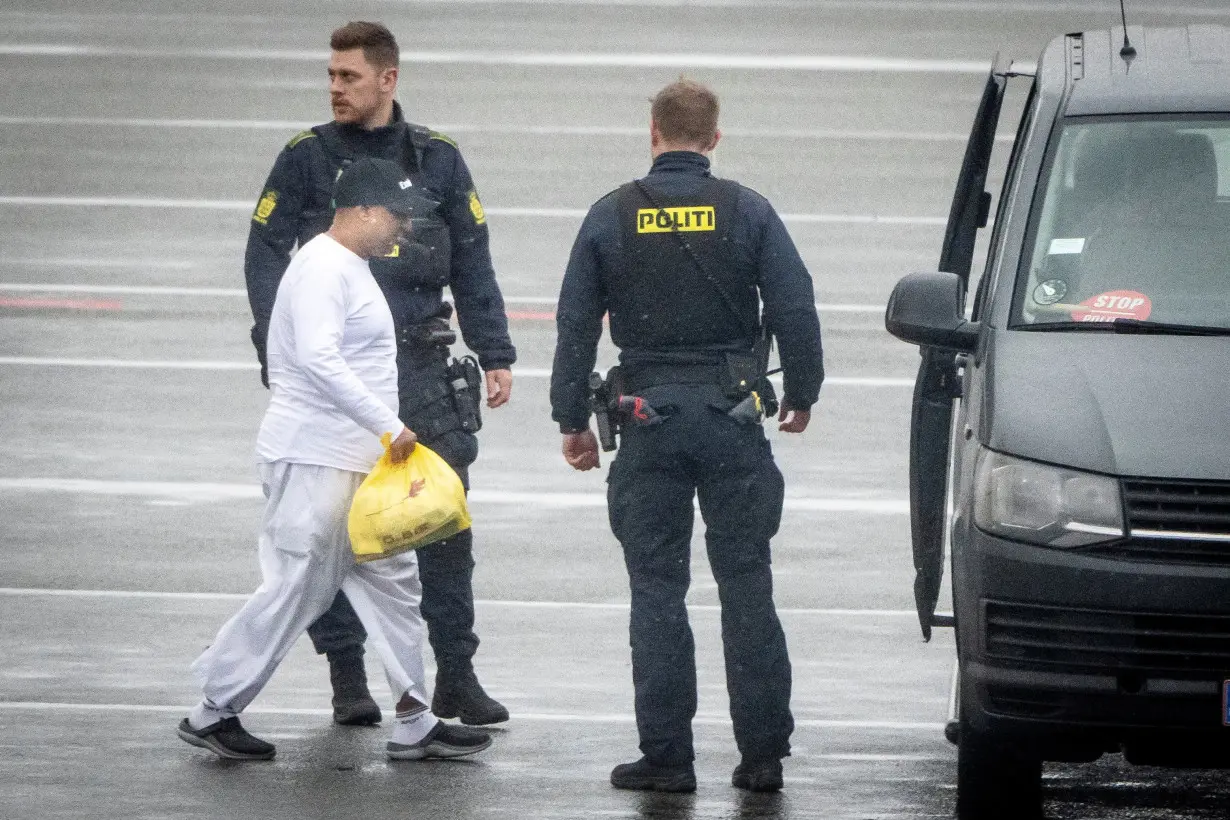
(653, 375)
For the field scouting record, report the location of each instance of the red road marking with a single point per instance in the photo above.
(539, 315)
(62, 304)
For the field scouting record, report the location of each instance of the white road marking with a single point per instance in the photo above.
(188, 490)
(513, 213)
(124, 290)
(453, 129)
(555, 717)
(215, 491)
(203, 364)
(240, 293)
(545, 59)
(93, 262)
(864, 219)
(885, 758)
(139, 594)
(995, 7)
(959, 6)
(132, 364)
(130, 202)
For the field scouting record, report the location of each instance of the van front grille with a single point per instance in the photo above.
(1166, 551)
(1174, 522)
(1108, 642)
(1178, 507)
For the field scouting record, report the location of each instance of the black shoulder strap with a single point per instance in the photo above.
(646, 192)
(335, 147)
(416, 139)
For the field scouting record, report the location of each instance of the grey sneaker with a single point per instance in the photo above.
(226, 738)
(444, 740)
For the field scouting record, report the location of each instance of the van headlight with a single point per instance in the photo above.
(1046, 505)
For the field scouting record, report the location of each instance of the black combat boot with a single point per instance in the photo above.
(644, 776)
(758, 775)
(460, 695)
(352, 703)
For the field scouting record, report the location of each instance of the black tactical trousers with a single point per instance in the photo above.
(699, 451)
(446, 568)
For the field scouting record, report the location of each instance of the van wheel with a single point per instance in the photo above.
(994, 782)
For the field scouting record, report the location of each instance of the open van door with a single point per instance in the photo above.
(937, 384)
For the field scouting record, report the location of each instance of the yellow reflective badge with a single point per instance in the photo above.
(685, 218)
(476, 208)
(264, 208)
(393, 253)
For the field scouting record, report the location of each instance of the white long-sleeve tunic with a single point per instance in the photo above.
(332, 358)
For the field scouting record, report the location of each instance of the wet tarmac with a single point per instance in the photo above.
(136, 137)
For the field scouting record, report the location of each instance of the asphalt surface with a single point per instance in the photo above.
(136, 137)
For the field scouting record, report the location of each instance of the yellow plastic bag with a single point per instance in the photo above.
(401, 507)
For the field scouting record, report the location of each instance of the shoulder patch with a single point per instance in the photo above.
(436, 135)
(300, 137)
(476, 208)
(265, 207)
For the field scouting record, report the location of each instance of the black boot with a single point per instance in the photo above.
(460, 695)
(758, 775)
(644, 776)
(352, 703)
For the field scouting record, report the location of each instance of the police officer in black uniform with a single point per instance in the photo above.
(439, 400)
(680, 261)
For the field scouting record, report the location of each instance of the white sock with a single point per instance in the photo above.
(411, 727)
(203, 715)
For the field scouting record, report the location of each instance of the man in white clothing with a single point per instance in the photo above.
(333, 375)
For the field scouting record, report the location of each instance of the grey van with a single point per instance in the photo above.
(1070, 440)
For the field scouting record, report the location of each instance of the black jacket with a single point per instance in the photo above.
(761, 246)
(295, 205)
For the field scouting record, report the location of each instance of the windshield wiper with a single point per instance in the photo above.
(1131, 326)
(1167, 328)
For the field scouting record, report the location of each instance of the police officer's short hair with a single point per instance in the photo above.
(378, 43)
(686, 112)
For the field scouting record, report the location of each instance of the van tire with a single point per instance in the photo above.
(995, 782)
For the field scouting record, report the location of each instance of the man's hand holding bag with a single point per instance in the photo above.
(407, 505)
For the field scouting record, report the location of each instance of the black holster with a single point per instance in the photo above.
(748, 373)
(604, 396)
(435, 332)
(465, 381)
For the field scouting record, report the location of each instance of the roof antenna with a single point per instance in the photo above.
(1128, 52)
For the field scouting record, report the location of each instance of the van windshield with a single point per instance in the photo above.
(1134, 224)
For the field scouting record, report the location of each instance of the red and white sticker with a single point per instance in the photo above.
(1112, 305)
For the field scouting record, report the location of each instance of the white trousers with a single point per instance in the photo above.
(305, 559)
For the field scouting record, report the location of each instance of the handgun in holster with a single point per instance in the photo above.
(465, 381)
(604, 396)
(433, 333)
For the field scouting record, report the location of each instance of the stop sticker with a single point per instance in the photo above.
(1112, 305)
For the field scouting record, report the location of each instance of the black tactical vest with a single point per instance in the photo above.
(422, 262)
(659, 297)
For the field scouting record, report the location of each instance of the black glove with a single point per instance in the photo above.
(259, 335)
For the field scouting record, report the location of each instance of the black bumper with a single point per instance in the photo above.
(1081, 653)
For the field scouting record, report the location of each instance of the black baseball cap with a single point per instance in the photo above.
(372, 181)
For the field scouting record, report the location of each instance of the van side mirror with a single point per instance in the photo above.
(925, 309)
